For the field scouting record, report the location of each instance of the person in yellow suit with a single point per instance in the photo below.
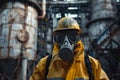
(68, 62)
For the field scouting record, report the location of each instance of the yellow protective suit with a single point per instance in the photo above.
(76, 70)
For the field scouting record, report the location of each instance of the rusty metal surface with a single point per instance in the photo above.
(22, 36)
(18, 27)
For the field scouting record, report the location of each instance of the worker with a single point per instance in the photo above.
(68, 60)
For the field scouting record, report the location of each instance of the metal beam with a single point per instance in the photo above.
(109, 37)
(105, 31)
(64, 2)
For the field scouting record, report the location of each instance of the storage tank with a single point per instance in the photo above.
(18, 30)
(18, 37)
(102, 15)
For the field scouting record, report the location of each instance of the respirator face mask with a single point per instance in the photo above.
(66, 41)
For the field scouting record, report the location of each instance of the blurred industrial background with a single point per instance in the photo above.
(26, 33)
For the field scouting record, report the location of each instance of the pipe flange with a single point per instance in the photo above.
(22, 36)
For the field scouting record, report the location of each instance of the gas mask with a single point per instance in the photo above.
(67, 42)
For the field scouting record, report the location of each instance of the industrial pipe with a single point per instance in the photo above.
(24, 68)
(43, 9)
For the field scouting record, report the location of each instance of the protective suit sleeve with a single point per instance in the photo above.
(99, 73)
(38, 73)
(103, 75)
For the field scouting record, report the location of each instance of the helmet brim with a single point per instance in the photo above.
(57, 30)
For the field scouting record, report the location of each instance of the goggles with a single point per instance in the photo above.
(72, 36)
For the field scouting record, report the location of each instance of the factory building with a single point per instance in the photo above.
(26, 36)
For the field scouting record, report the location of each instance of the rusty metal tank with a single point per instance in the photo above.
(18, 30)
